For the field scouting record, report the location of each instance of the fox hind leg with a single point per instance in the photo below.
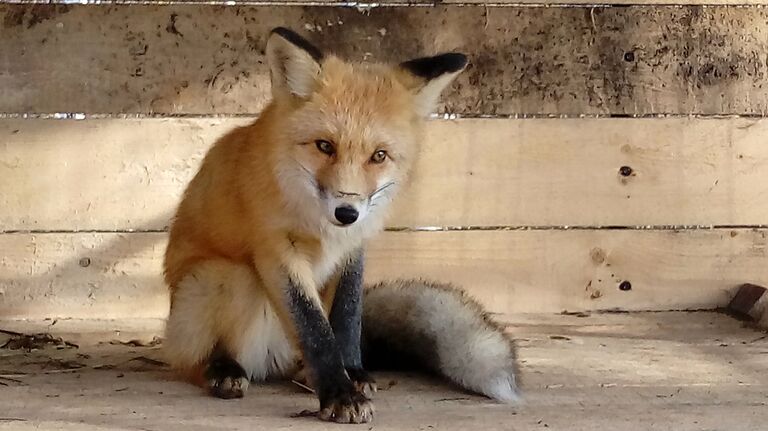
(209, 327)
(225, 377)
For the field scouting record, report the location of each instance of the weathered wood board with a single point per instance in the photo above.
(367, 5)
(129, 174)
(122, 174)
(666, 371)
(204, 59)
(118, 275)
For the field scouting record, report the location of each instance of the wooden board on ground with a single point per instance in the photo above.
(209, 59)
(118, 275)
(578, 374)
(129, 174)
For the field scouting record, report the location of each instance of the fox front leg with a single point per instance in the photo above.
(340, 400)
(346, 321)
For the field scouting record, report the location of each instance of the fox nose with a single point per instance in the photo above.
(346, 214)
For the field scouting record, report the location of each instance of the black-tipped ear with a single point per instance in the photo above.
(294, 64)
(433, 75)
(429, 68)
(296, 39)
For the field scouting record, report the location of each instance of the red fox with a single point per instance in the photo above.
(265, 256)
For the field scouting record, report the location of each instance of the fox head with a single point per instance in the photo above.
(347, 133)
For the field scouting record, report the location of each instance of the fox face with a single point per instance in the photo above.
(354, 139)
(351, 177)
(348, 133)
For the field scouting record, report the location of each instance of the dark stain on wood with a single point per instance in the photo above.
(32, 15)
(537, 61)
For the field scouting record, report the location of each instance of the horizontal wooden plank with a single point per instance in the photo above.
(129, 174)
(366, 5)
(209, 59)
(118, 275)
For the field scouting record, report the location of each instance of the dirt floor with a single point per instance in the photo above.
(632, 371)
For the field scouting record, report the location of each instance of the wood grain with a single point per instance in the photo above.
(129, 174)
(694, 371)
(204, 59)
(118, 275)
(423, 3)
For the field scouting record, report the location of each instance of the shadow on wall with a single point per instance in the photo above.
(82, 275)
(100, 174)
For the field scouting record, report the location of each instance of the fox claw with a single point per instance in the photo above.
(353, 408)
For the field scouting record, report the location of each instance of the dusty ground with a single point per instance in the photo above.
(639, 371)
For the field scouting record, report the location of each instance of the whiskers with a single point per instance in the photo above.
(381, 189)
(310, 175)
(379, 193)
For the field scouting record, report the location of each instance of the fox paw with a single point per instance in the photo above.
(228, 387)
(363, 381)
(347, 408)
(226, 379)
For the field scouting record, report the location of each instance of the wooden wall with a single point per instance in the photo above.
(586, 147)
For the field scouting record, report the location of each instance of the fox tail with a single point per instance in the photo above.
(411, 324)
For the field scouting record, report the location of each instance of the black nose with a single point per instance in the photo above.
(346, 214)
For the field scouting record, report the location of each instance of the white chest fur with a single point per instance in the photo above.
(336, 249)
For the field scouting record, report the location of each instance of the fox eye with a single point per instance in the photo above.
(379, 156)
(325, 147)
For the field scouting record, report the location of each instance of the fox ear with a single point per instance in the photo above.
(294, 64)
(432, 75)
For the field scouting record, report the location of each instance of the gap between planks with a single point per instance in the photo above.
(78, 116)
(433, 229)
(366, 6)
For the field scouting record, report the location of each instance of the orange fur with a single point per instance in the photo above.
(233, 208)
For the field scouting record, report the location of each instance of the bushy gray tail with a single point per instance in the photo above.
(413, 323)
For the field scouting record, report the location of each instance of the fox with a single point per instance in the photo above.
(265, 255)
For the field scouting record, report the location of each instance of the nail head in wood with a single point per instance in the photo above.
(625, 171)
